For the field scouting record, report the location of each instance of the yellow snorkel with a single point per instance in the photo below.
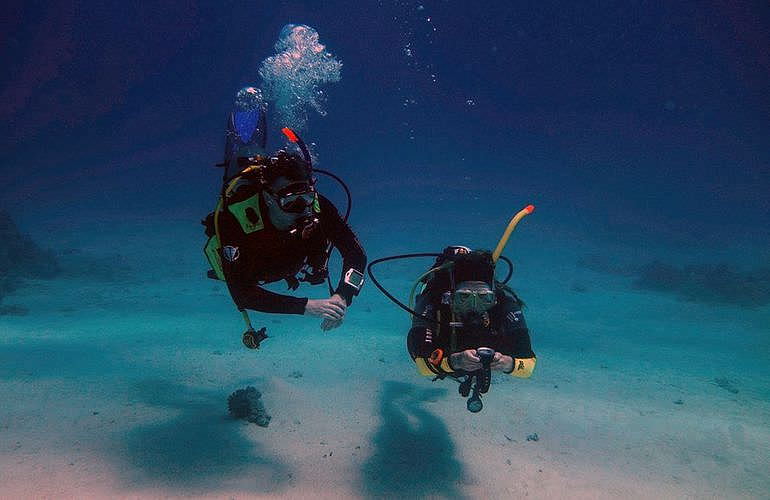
(508, 230)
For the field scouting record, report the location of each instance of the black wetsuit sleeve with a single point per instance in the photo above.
(421, 340)
(251, 296)
(516, 340)
(341, 236)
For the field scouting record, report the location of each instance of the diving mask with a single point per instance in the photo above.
(295, 198)
(472, 297)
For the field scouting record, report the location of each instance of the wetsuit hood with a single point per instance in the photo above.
(474, 266)
(289, 165)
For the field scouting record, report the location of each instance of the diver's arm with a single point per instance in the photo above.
(422, 342)
(342, 236)
(517, 343)
(250, 296)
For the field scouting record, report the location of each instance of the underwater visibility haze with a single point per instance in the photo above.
(613, 156)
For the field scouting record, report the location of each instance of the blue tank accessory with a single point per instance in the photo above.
(246, 124)
(246, 133)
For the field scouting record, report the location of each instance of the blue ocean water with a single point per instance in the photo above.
(639, 130)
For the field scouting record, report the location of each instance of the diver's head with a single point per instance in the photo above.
(474, 286)
(473, 265)
(472, 299)
(289, 188)
(289, 165)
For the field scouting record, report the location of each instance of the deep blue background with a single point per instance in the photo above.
(642, 116)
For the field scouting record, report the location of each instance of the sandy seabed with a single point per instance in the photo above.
(117, 389)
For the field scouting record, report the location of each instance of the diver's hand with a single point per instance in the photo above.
(330, 324)
(465, 360)
(332, 308)
(502, 362)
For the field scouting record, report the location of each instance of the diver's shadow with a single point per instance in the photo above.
(199, 448)
(414, 455)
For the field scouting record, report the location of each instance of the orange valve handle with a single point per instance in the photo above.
(436, 357)
(290, 134)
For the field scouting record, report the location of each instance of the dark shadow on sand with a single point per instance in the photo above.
(718, 284)
(414, 455)
(197, 449)
(194, 447)
(708, 283)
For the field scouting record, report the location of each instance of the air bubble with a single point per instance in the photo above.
(293, 77)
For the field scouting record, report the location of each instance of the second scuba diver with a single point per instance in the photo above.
(271, 224)
(466, 323)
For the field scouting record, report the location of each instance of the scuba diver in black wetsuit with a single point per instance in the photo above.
(486, 331)
(271, 224)
(465, 322)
